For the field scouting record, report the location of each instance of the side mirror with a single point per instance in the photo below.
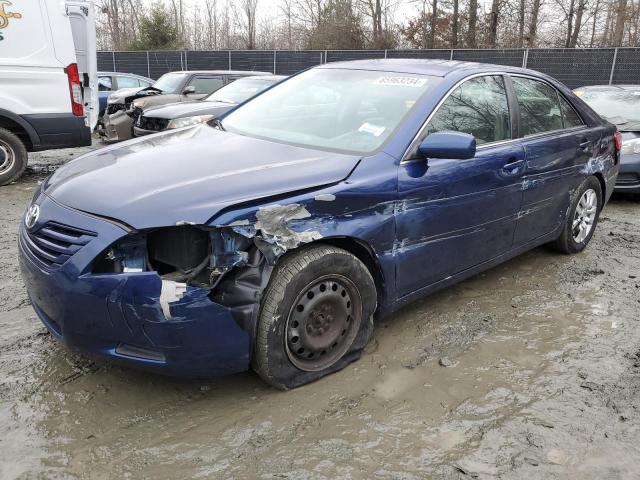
(456, 145)
(189, 89)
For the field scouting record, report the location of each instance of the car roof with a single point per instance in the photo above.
(438, 68)
(125, 74)
(609, 88)
(224, 72)
(275, 78)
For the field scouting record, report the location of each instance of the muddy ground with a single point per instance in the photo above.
(530, 370)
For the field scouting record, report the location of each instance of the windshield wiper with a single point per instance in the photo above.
(219, 100)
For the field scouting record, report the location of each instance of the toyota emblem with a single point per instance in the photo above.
(32, 215)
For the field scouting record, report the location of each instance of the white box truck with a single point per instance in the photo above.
(48, 79)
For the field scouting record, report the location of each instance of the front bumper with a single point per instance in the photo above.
(119, 315)
(629, 174)
(116, 126)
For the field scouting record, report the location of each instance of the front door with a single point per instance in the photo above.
(455, 214)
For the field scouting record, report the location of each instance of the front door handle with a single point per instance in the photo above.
(513, 167)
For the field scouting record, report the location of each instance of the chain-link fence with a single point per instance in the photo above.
(574, 67)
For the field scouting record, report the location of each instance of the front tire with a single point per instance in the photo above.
(582, 218)
(13, 157)
(316, 316)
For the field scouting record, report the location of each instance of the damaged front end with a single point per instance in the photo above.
(230, 268)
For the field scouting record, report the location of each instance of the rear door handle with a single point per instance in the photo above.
(513, 167)
(584, 144)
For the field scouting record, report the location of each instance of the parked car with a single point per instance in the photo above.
(48, 98)
(182, 114)
(125, 105)
(620, 105)
(271, 237)
(109, 82)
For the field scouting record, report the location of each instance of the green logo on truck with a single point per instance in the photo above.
(5, 16)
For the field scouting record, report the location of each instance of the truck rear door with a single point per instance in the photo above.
(83, 28)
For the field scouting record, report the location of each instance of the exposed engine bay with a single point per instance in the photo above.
(230, 265)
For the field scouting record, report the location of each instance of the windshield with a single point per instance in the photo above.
(614, 103)
(169, 82)
(239, 91)
(334, 109)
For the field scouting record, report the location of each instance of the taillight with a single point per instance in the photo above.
(75, 89)
(617, 141)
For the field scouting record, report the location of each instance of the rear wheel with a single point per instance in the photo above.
(582, 219)
(13, 157)
(316, 316)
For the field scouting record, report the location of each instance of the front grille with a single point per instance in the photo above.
(53, 243)
(114, 107)
(627, 179)
(153, 124)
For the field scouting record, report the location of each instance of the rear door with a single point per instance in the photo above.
(557, 144)
(83, 28)
(456, 214)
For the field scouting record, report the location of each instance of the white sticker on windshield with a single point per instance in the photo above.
(374, 130)
(402, 81)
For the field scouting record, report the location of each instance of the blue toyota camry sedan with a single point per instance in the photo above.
(269, 238)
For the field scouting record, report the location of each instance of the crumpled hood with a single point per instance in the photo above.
(189, 175)
(187, 109)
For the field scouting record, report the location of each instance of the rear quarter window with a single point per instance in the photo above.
(539, 106)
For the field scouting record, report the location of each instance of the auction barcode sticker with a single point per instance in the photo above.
(402, 81)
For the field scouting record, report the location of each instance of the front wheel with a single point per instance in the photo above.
(315, 318)
(582, 218)
(13, 157)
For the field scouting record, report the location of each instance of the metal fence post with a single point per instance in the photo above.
(525, 57)
(325, 56)
(613, 65)
(320, 57)
(113, 58)
(274, 62)
(148, 66)
(451, 55)
(385, 53)
(229, 59)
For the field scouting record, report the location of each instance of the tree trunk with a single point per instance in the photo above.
(454, 25)
(473, 22)
(577, 24)
(618, 33)
(533, 25)
(572, 6)
(596, 10)
(493, 24)
(434, 22)
(521, 25)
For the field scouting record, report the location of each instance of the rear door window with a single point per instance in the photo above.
(206, 85)
(539, 106)
(479, 107)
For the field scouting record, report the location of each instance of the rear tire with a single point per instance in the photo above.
(316, 316)
(13, 157)
(582, 218)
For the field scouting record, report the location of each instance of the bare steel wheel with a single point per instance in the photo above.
(323, 322)
(316, 316)
(585, 215)
(13, 156)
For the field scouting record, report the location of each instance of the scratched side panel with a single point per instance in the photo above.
(554, 168)
(454, 214)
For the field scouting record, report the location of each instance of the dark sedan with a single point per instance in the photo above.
(620, 104)
(271, 238)
(182, 114)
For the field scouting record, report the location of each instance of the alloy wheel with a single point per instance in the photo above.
(584, 216)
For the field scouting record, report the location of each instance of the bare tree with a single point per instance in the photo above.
(493, 24)
(454, 24)
(620, 18)
(472, 34)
